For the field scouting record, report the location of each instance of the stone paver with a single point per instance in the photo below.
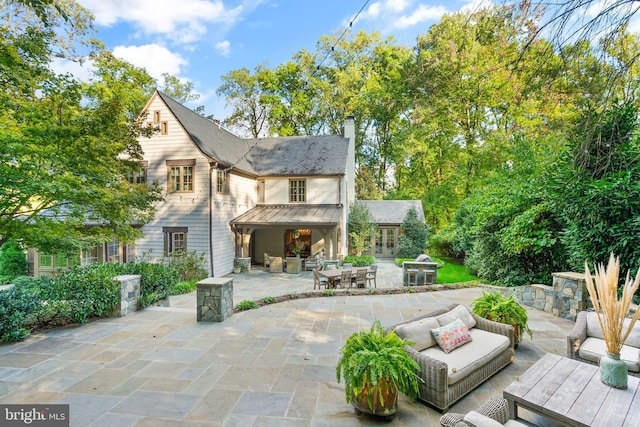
(273, 366)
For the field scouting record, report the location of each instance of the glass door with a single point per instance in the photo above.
(385, 243)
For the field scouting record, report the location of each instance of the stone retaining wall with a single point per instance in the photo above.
(566, 297)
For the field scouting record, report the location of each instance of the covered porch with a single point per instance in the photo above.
(289, 230)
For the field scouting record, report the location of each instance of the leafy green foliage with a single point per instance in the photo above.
(156, 282)
(269, 300)
(597, 192)
(184, 287)
(414, 236)
(495, 306)
(16, 305)
(360, 261)
(360, 227)
(247, 305)
(13, 261)
(189, 265)
(371, 357)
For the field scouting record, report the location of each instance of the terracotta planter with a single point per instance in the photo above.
(368, 400)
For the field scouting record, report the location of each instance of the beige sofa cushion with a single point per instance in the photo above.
(460, 312)
(592, 349)
(462, 361)
(419, 332)
(594, 330)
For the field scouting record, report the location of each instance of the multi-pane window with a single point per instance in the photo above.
(139, 177)
(90, 256)
(46, 260)
(180, 175)
(297, 190)
(222, 186)
(175, 239)
(113, 251)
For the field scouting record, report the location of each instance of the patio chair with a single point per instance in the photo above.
(345, 279)
(494, 413)
(371, 275)
(267, 260)
(319, 281)
(361, 278)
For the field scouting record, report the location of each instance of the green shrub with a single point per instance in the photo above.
(189, 265)
(247, 305)
(184, 287)
(17, 305)
(413, 239)
(269, 300)
(156, 280)
(13, 261)
(360, 261)
(91, 291)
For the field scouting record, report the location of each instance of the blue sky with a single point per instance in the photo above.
(202, 40)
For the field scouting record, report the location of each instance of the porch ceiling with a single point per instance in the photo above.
(319, 216)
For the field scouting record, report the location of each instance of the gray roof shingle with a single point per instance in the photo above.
(295, 155)
(392, 212)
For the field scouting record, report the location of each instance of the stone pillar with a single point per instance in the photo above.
(129, 294)
(570, 294)
(214, 299)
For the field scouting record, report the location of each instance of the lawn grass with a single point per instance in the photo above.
(452, 272)
(449, 271)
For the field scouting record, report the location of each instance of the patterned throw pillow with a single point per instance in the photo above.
(452, 335)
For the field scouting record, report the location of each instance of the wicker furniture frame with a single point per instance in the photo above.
(496, 408)
(435, 389)
(577, 336)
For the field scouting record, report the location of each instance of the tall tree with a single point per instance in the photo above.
(242, 91)
(67, 148)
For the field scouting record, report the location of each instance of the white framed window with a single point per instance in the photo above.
(90, 255)
(175, 239)
(113, 251)
(297, 190)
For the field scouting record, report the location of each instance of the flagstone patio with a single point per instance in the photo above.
(273, 366)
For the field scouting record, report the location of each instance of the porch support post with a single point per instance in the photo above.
(245, 241)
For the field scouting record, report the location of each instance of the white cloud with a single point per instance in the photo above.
(182, 21)
(154, 58)
(476, 5)
(82, 71)
(224, 47)
(422, 14)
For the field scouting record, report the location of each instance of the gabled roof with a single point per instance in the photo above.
(392, 212)
(296, 155)
(212, 140)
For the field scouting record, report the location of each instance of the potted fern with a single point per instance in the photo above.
(495, 306)
(375, 366)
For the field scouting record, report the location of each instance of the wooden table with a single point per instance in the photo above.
(335, 274)
(571, 393)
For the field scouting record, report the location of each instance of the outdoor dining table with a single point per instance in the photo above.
(336, 273)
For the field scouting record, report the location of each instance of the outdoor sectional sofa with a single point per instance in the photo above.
(586, 342)
(447, 377)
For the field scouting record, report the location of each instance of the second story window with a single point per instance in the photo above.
(180, 175)
(297, 190)
(139, 177)
(222, 186)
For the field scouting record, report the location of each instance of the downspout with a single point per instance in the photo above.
(212, 167)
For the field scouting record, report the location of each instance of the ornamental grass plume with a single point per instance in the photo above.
(612, 311)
